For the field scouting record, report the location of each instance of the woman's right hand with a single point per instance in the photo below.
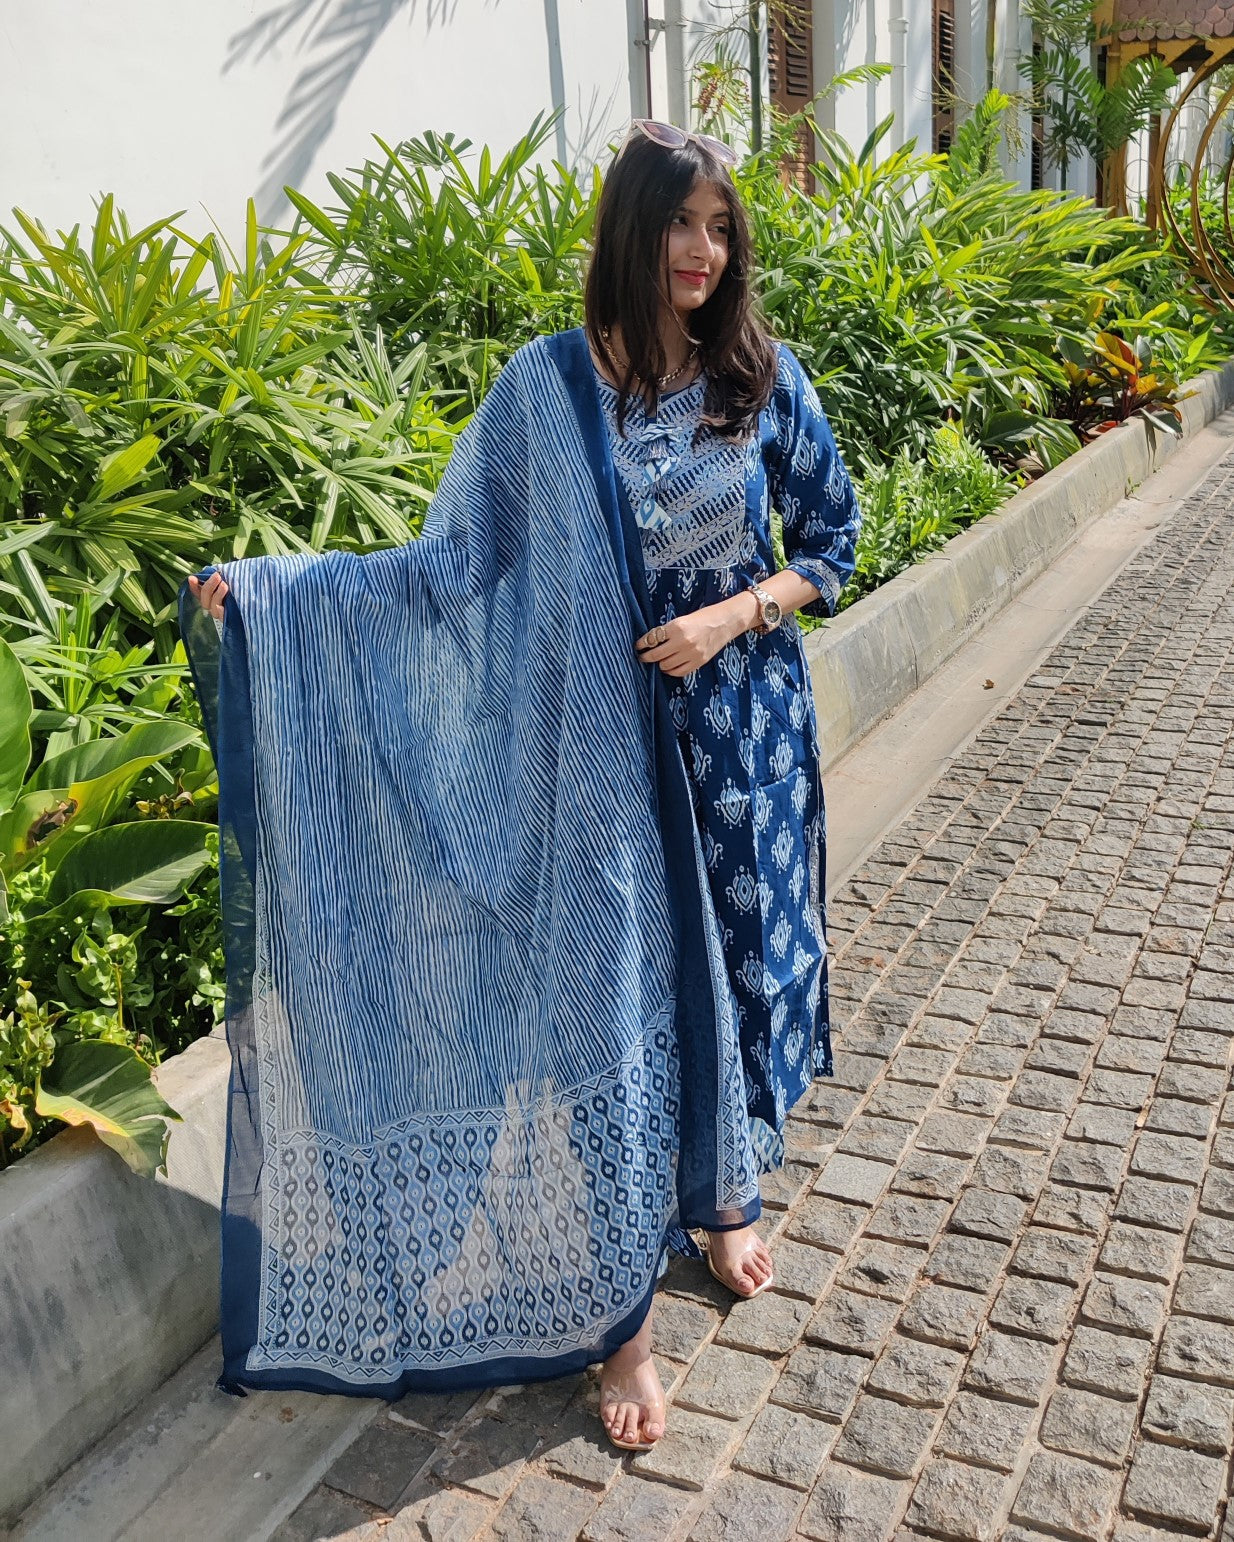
(211, 594)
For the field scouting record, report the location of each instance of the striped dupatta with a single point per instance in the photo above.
(484, 1063)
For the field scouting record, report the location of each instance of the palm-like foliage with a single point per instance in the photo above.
(162, 407)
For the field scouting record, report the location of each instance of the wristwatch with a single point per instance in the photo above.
(770, 611)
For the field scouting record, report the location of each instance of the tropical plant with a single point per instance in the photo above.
(1113, 381)
(1080, 113)
(69, 858)
(912, 507)
(162, 407)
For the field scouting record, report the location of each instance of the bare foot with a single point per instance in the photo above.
(631, 1396)
(740, 1260)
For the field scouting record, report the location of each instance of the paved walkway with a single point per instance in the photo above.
(1005, 1242)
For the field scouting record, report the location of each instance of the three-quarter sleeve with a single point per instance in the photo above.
(811, 488)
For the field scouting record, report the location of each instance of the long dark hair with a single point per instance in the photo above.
(627, 285)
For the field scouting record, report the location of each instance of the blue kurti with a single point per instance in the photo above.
(746, 720)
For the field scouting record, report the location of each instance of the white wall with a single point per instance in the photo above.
(200, 104)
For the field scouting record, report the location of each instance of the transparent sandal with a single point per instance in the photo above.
(742, 1295)
(630, 1388)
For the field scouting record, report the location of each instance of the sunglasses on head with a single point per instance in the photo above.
(669, 137)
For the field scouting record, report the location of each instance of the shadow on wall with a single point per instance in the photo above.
(335, 37)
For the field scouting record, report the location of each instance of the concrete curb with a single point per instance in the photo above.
(868, 660)
(110, 1282)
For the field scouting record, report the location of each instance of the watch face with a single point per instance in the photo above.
(772, 613)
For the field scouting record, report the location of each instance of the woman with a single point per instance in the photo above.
(523, 847)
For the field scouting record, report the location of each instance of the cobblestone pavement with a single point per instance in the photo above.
(1005, 1242)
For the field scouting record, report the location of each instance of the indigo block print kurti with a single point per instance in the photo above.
(746, 721)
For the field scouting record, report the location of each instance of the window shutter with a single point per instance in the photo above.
(943, 81)
(1036, 174)
(790, 69)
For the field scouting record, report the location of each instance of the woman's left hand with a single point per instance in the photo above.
(680, 647)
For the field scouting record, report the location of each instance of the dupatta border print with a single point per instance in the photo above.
(484, 1060)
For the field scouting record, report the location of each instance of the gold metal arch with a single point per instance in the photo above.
(1197, 244)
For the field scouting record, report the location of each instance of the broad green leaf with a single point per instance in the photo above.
(150, 862)
(147, 742)
(15, 710)
(109, 1087)
(123, 467)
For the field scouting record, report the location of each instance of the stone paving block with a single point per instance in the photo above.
(379, 1465)
(914, 1064)
(1037, 1129)
(900, 1100)
(1004, 1365)
(1125, 1305)
(1211, 1241)
(1173, 1157)
(1089, 1425)
(916, 1372)
(1081, 1027)
(987, 1214)
(1188, 1413)
(438, 1412)
(996, 1062)
(930, 1175)
(1011, 1170)
(973, 1095)
(1203, 1291)
(786, 1445)
(882, 1268)
(852, 1321)
(820, 1381)
(1170, 1484)
(1088, 1165)
(1217, 1195)
(1037, 1309)
(679, 1327)
(691, 1451)
(857, 1072)
(770, 1324)
(855, 1179)
(1098, 1361)
(972, 1263)
(829, 1104)
(826, 1223)
(726, 1382)
(1120, 1053)
(637, 1510)
(1059, 1057)
(879, 1140)
(1052, 1255)
(543, 1510)
(953, 1134)
(1193, 1044)
(327, 1514)
(954, 1500)
(1099, 1122)
(1152, 1202)
(801, 1270)
(1063, 1494)
(851, 1506)
(745, 1509)
(1200, 1350)
(1194, 1083)
(941, 1314)
(1141, 1251)
(908, 1218)
(885, 1437)
(1121, 1089)
(985, 1430)
(781, 1189)
(579, 1450)
(1071, 1209)
(1177, 1117)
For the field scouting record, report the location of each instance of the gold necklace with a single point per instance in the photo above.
(662, 380)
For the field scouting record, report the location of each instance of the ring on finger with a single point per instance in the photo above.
(661, 636)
